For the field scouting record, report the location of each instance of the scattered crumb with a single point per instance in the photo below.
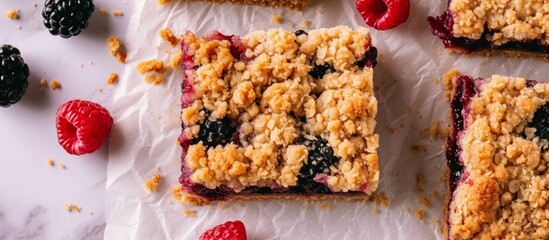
(18, 27)
(104, 11)
(152, 185)
(420, 183)
(117, 13)
(447, 83)
(291, 25)
(420, 214)
(12, 14)
(376, 211)
(176, 193)
(419, 148)
(113, 79)
(55, 85)
(91, 213)
(175, 59)
(391, 130)
(50, 161)
(380, 198)
(43, 84)
(325, 206)
(153, 65)
(161, 2)
(72, 207)
(434, 130)
(116, 49)
(60, 165)
(441, 229)
(189, 213)
(157, 168)
(436, 194)
(34, 5)
(305, 24)
(154, 79)
(222, 205)
(425, 202)
(91, 63)
(277, 18)
(436, 80)
(168, 36)
(177, 142)
(304, 207)
(100, 90)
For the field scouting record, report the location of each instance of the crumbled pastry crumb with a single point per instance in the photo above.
(176, 193)
(55, 85)
(277, 18)
(50, 161)
(115, 48)
(34, 5)
(418, 147)
(435, 130)
(154, 79)
(152, 185)
(325, 206)
(380, 198)
(436, 194)
(153, 65)
(169, 37)
(162, 2)
(436, 80)
(12, 14)
(61, 165)
(376, 211)
(517, 21)
(420, 215)
(117, 13)
(190, 213)
(447, 84)
(18, 27)
(104, 11)
(306, 24)
(72, 207)
(43, 84)
(425, 202)
(391, 130)
(420, 183)
(175, 59)
(113, 79)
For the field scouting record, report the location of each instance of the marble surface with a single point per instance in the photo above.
(32, 193)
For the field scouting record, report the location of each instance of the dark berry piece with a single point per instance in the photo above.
(308, 186)
(300, 32)
(67, 18)
(321, 158)
(369, 60)
(213, 133)
(541, 122)
(14, 74)
(319, 71)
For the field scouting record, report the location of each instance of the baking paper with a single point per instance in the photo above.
(411, 99)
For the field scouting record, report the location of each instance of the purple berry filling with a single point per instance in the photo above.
(442, 27)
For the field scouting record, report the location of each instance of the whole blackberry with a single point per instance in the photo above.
(321, 158)
(319, 71)
(67, 18)
(14, 75)
(213, 133)
(541, 122)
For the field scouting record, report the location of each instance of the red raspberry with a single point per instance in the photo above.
(82, 126)
(232, 230)
(383, 14)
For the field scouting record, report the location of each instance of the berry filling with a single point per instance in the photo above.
(541, 122)
(442, 27)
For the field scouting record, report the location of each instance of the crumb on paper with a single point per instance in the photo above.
(100, 90)
(419, 148)
(222, 205)
(162, 2)
(420, 183)
(34, 5)
(176, 193)
(104, 11)
(177, 142)
(447, 82)
(154, 79)
(50, 162)
(113, 79)
(391, 129)
(55, 85)
(152, 185)
(12, 14)
(18, 27)
(62, 166)
(379, 198)
(43, 84)
(176, 60)
(189, 213)
(117, 13)
(169, 37)
(376, 211)
(153, 65)
(116, 49)
(306, 24)
(325, 206)
(434, 130)
(91, 213)
(72, 207)
(436, 80)
(277, 18)
(425, 202)
(436, 194)
(420, 214)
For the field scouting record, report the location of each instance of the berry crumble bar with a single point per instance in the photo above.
(278, 114)
(293, 4)
(498, 158)
(512, 28)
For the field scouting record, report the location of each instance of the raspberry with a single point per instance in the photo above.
(67, 18)
(233, 230)
(383, 14)
(82, 126)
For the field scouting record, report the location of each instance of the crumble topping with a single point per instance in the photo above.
(12, 14)
(116, 49)
(169, 37)
(154, 79)
(175, 59)
(104, 11)
(43, 84)
(113, 79)
(149, 66)
(277, 102)
(55, 85)
(523, 20)
(72, 207)
(117, 13)
(50, 162)
(506, 191)
(152, 185)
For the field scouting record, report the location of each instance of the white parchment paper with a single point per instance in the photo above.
(410, 99)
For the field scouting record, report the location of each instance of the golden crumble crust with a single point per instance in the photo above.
(276, 102)
(522, 20)
(505, 193)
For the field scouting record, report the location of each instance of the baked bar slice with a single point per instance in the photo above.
(512, 28)
(293, 4)
(498, 158)
(278, 114)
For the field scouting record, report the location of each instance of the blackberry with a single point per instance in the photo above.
(300, 32)
(67, 18)
(14, 74)
(320, 70)
(321, 158)
(369, 60)
(541, 122)
(213, 133)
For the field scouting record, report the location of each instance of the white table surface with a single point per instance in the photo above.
(33, 194)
